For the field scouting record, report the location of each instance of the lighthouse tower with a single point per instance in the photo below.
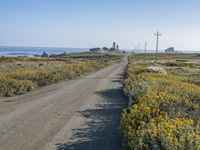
(114, 45)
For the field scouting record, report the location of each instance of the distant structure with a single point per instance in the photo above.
(114, 45)
(114, 48)
(170, 50)
(95, 50)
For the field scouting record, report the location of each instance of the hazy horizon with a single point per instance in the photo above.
(79, 49)
(86, 24)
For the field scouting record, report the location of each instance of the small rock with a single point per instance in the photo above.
(157, 70)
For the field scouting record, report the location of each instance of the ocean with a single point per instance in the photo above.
(31, 51)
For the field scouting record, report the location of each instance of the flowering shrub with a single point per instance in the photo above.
(164, 113)
(10, 87)
(22, 81)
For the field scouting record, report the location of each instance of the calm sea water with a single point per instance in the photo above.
(31, 51)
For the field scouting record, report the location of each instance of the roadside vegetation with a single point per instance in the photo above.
(91, 56)
(19, 75)
(164, 103)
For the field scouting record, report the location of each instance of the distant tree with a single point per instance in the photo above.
(97, 49)
(105, 48)
(44, 54)
(117, 47)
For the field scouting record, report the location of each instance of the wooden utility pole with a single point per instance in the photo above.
(145, 47)
(157, 40)
(139, 48)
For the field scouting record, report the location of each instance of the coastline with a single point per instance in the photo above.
(31, 51)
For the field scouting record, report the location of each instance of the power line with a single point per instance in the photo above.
(157, 35)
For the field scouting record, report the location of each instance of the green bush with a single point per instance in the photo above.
(10, 87)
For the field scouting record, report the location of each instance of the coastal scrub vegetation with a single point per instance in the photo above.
(164, 106)
(20, 75)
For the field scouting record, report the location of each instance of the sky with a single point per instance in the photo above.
(98, 23)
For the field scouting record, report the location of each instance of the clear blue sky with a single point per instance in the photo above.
(89, 23)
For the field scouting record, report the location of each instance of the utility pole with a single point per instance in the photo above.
(157, 35)
(135, 49)
(139, 48)
(145, 47)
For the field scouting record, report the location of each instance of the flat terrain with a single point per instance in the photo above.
(79, 114)
(164, 102)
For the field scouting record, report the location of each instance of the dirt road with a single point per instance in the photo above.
(81, 114)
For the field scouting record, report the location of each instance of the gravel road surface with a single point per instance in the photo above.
(80, 114)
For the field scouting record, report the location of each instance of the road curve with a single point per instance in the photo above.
(80, 114)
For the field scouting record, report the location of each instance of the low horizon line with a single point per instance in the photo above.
(132, 49)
